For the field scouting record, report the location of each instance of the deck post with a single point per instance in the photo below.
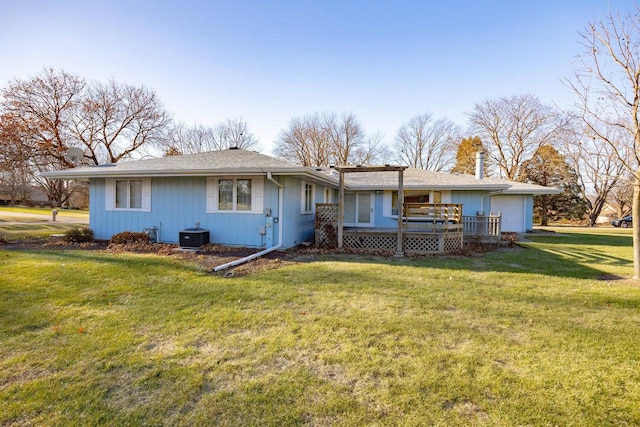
(399, 249)
(341, 210)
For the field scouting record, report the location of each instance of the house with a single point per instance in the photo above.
(250, 199)
(377, 193)
(608, 214)
(29, 196)
(242, 197)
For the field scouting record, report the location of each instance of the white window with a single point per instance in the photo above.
(128, 194)
(235, 194)
(307, 198)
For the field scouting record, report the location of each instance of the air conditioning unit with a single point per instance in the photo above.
(193, 237)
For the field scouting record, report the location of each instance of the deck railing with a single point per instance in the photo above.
(432, 212)
(427, 228)
(482, 225)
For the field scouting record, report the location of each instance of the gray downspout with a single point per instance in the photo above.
(268, 250)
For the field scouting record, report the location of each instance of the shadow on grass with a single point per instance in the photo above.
(128, 260)
(616, 240)
(575, 255)
(579, 256)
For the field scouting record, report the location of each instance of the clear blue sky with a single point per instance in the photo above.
(270, 61)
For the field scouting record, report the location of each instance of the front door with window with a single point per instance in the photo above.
(358, 209)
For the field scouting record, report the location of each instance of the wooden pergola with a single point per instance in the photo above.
(386, 168)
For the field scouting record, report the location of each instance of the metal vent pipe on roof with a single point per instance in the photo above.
(479, 165)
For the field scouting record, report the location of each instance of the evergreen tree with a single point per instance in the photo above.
(466, 156)
(549, 168)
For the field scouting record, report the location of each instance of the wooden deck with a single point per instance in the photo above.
(426, 229)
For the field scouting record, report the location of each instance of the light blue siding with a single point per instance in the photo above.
(528, 212)
(178, 203)
(472, 201)
(379, 219)
(298, 227)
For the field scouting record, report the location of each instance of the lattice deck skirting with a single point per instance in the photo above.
(418, 238)
(325, 226)
(412, 243)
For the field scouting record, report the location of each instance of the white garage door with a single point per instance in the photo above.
(512, 208)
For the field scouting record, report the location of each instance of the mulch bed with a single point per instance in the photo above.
(210, 256)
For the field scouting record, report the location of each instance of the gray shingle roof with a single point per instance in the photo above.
(238, 162)
(233, 161)
(419, 179)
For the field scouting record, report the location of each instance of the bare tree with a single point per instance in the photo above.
(621, 196)
(59, 110)
(44, 105)
(321, 140)
(513, 129)
(305, 142)
(114, 121)
(345, 136)
(426, 143)
(16, 151)
(235, 133)
(607, 85)
(372, 151)
(596, 164)
(185, 139)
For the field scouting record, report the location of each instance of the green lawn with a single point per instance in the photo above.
(70, 213)
(542, 335)
(14, 226)
(29, 229)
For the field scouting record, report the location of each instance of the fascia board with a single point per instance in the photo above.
(535, 192)
(492, 187)
(107, 172)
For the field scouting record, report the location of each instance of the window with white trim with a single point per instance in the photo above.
(235, 194)
(128, 194)
(307, 198)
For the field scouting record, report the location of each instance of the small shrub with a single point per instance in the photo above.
(510, 237)
(4, 239)
(129, 237)
(79, 235)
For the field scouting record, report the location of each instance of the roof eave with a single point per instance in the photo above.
(139, 173)
(534, 191)
(492, 187)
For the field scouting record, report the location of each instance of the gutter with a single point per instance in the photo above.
(111, 171)
(266, 251)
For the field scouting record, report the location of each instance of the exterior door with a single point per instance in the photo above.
(358, 209)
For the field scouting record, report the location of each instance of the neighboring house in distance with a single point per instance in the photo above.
(607, 214)
(250, 199)
(32, 196)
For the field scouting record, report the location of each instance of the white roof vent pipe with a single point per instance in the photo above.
(479, 165)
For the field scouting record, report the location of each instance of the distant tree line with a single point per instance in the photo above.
(524, 140)
(43, 116)
(591, 152)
